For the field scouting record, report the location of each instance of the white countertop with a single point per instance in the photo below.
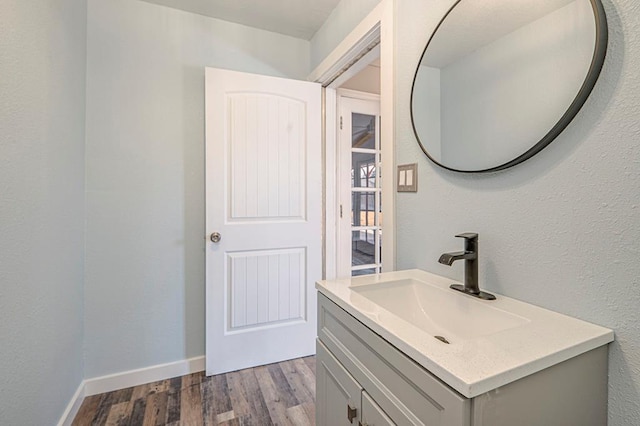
(472, 365)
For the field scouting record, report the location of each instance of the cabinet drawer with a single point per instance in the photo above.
(408, 393)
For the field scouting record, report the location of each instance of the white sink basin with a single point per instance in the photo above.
(491, 343)
(438, 311)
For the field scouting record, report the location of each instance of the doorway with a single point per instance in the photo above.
(359, 183)
(370, 43)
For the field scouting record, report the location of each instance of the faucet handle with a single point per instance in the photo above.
(468, 236)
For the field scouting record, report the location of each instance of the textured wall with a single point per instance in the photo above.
(145, 285)
(560, 230)
(344, 18)
(42, 102)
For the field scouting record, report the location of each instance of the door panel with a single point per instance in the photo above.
(267, 143)
(263, 195)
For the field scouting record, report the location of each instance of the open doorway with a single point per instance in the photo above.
(368, 47)
(359, 173)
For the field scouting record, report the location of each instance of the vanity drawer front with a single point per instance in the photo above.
(409, 394)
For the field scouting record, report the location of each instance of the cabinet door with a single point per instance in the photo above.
(372, 414)
(338, 395)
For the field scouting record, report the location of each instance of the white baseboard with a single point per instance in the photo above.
(73, 407)
(128, 379)
(141, 376)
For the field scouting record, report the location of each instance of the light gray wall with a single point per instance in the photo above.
(344, 18)
(427, 111)
(42, 104)
(560, 230)
(144, 295)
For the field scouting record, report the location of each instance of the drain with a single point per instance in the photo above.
(442, 339)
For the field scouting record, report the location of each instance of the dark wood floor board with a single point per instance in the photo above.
(106, 402)
(137, 411)
(280, 394)
(286, 392)
(237, 394)
(310, 409)
(311, 362)
(193, 379)
(122, 395)
(191, 406)
(215, 397)
(155, 413)
(298, 416)
(307, 376)
(208, 402)
(272, 397)
(173, 405)
(258, 411)
(232, 422)
(87, 410)
(143, 391)
(118, 414)
(296, 382)
(175, 385)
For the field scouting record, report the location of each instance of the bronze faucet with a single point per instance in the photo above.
(470, 256)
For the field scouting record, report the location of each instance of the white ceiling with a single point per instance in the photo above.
(297, 18)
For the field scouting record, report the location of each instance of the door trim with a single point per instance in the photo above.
(378, 24)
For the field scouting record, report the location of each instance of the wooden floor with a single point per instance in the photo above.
(275, 394)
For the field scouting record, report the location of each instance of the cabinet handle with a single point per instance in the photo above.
(351, 413)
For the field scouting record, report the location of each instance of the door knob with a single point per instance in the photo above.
(215, 237)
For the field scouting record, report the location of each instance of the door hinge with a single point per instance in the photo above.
(340, 211)
(340, 122)
(352, 413)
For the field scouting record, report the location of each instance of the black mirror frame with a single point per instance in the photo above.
(597, 62)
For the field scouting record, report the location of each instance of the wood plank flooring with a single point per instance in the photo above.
(277, 394)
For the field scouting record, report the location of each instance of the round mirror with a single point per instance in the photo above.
(500, 79)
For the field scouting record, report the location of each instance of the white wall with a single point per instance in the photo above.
(560, 230)
(42, 107)
(344, 18)
(144, 296)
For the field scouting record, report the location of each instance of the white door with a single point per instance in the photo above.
(360, 210)
(263, 199)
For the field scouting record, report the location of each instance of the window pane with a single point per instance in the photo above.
(363, 246)
(365, 272)
(363, 170)
(363, 131)
(363, 208)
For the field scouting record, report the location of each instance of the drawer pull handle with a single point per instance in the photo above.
(352, 413)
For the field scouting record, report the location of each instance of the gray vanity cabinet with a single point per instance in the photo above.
(364, 380)
(342, 401)
(393, 388)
